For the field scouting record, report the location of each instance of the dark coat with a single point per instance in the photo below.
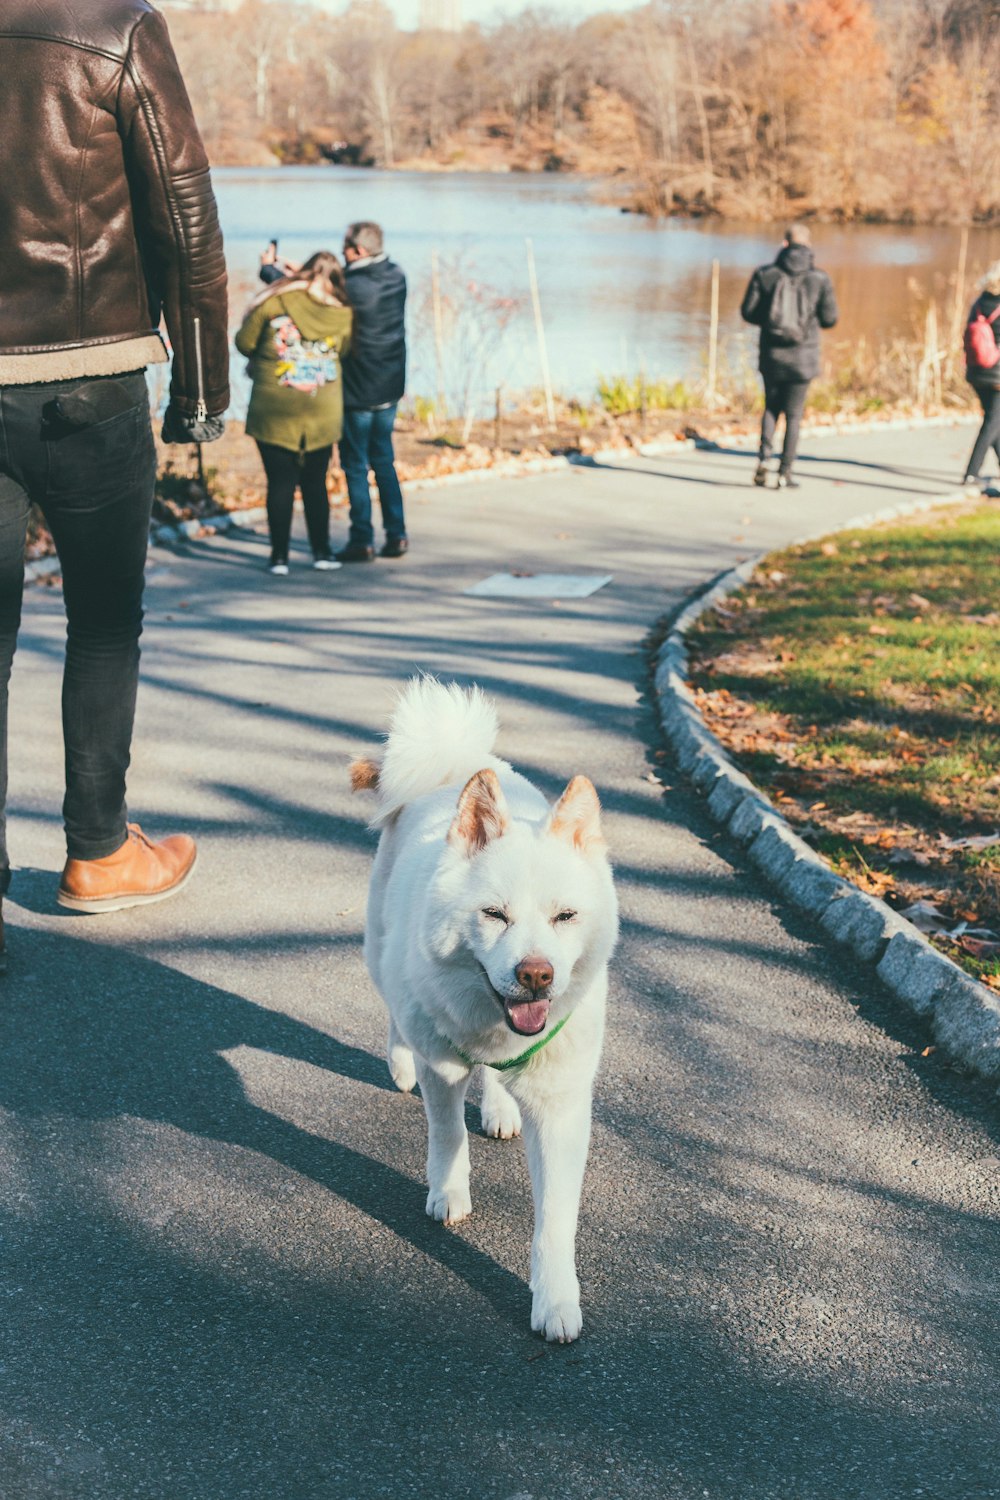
(985, 380)
(375, 369)
(790, 361)
(107, 216)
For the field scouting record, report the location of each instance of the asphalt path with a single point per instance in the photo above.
(217, 1277)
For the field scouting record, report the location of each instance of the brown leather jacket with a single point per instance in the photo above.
(107, 217)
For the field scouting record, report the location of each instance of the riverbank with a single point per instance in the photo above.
(627, 416)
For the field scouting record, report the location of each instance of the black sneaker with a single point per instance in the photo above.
(355, 552)
(786, 482)
(760, 475)
(395, 546)
(278, 566)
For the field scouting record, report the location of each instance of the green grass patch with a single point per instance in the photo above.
(620, 396)
(859, 678)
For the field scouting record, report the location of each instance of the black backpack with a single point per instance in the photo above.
(790, 311)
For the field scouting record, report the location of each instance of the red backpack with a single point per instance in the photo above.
(981, 351)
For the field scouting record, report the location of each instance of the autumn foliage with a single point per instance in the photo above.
(879, 109)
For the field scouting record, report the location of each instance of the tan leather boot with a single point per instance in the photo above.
(137, 873)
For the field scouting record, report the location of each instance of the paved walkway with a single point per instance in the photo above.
(218, 1280)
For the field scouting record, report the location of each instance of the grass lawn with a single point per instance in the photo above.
(857, 680)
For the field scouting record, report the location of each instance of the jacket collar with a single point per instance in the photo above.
(365, 262)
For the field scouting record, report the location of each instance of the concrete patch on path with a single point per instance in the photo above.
(539, 585)
(964, 1016)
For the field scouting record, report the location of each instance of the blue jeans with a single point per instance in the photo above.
(91, 468)
(366, 443)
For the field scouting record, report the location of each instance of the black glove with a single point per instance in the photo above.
(177, 428)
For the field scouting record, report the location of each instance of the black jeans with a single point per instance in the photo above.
(82, 451)
(286, 472)
(785, 398)
(989, 433)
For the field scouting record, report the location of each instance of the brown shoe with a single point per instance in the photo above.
(136, 874)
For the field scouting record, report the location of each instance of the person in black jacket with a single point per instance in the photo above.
(789, 301)
(986, 381)
(374, 380)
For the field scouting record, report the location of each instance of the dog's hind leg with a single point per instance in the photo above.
(499, 1112)
(448, 1198)
(400, 1060)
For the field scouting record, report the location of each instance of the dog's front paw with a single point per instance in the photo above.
(560, 1322)
(500, 1117)
(449, 1205)
(402, 1069)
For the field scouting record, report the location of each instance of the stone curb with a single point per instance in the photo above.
(964, 1015)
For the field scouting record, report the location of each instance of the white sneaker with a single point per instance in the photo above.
(278, 568)
(326, 564)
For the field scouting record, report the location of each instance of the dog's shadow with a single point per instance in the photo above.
(99, 1033)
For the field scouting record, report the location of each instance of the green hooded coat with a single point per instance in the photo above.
(295, 343)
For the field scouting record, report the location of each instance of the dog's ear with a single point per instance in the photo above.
(577, 817)
(481, 815)
(364, 776)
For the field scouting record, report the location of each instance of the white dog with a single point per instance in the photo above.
(491, 920)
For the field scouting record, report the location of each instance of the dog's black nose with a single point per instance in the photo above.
(534, 974)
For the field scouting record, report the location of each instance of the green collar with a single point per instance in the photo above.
(521, 1058)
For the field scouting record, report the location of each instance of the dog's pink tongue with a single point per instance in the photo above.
(529, 1016)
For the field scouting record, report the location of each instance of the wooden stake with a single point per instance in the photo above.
(438, 334)
(958, 312)
(543, 353)
(713, 337)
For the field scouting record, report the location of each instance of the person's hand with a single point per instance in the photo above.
(178, 428)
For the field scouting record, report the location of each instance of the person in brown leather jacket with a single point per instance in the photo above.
(107, 223)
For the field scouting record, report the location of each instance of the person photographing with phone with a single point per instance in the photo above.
(274, 267)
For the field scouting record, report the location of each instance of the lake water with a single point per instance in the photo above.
(618, 294)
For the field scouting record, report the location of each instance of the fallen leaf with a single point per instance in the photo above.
(979, 947)
(926, 917)
(977, 841)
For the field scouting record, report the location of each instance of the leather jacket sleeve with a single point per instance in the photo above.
(176, 220)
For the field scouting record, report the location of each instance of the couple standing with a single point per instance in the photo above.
(327, 354)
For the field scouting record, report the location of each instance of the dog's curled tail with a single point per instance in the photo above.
(440, 734)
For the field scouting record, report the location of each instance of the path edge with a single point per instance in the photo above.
(964, 1016)
(517, 468)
